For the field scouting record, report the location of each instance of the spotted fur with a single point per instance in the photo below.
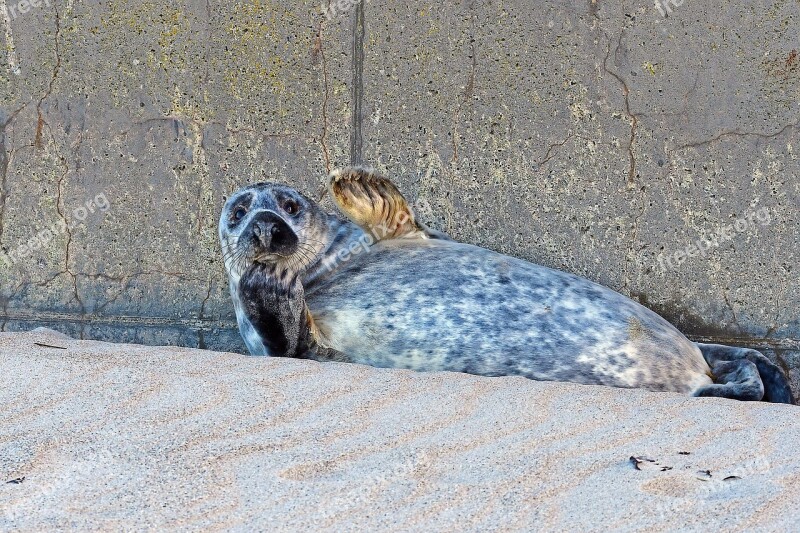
(440, 305)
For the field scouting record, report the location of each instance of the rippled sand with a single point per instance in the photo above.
(130, 437)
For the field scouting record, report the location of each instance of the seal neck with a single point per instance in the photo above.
(341, 235)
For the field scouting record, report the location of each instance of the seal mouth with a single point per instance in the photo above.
(270, 237)
(270, 258)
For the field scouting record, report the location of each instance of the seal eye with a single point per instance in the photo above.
(291, 207)
(239, 213)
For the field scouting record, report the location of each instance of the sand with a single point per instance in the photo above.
(105, 436)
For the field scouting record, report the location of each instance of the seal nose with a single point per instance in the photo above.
(265, 231)
(271, 234)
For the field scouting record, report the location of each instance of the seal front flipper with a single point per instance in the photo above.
(744, 374)
(275, 306)
(375, 204)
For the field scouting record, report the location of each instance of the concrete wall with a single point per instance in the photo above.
(599, 137)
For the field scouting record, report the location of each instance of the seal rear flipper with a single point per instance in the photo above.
(375, 204)
(737, 380)
(736, 370)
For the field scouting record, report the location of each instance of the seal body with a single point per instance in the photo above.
(441, 305)
(384, 290)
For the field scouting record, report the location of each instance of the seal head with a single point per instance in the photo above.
(276, 241)
(273, 225)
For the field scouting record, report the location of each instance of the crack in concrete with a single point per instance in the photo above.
(199, 158)
(126, 284)
(551, 150)
(634, 236)
(632, 175)
(11, 49)
(76, 148)
(6, 300)
(201, 342)
(320, 50)
(263, 135)
(736, 133)
(201, 313)
(778, 297)
(180, 123)
(6, 155)
(209, 41)
(5, 160)
(775, 321)
(61, 208)
(593, 8)
(684, 111)
(469, 90)
(40, 117)
(733, 311)
(356, 134)
(634, 117)
(548, 156)
(183, 122)
(60, 205)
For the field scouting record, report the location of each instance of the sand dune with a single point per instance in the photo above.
(103, 436)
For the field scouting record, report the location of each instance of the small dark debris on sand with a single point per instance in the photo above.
(636, 461)
(704, 475)
(43, 345)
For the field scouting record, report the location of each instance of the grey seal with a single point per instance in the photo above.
(372, 285)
